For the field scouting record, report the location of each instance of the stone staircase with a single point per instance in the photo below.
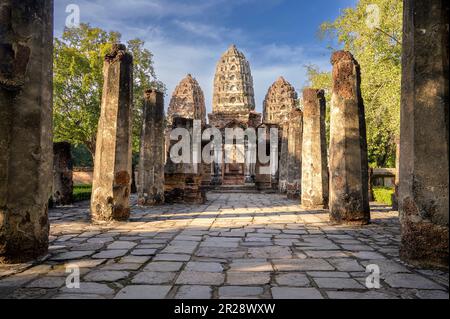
(233, 189)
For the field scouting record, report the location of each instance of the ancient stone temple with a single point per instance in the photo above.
(424, 144)
(279, 102)
(233, 83)
(314, 151)
(183, 177)
(234, 106)
(187, 101)
(151, 155)
(112, 166)
(294, 158)
(349, 180)
(26, 149)
(62, 174)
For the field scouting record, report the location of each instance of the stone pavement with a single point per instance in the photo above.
(235, 246)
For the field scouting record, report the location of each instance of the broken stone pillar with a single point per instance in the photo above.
(26, 149)
(112, 166)
(151, 158)
(349, 170)
(283, 165)
(294, 160)
(267, 171)
(62, 174)
(183, 180)
(314, 151)
(370, 185)
(424, 147)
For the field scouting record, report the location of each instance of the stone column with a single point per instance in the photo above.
(283, 164)
(424, 147)
(62, 174)
(151, 158)
(26, 61)
(183, 180)
(370, 185)
(294, 160)
(314, 151)
(112, 166)
(349, 180)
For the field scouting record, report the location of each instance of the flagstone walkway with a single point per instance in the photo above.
(235, 246)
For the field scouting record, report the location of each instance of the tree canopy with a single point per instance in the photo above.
(78, 83)
(372, 31)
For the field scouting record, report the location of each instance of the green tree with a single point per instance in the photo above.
(375, 41)
(321, 80)
(78, 83)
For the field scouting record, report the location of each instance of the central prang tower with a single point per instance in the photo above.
(233, 106)
(233, 83)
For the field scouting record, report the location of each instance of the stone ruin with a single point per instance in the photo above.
(233, 106)
(233, 83)
(112, 164)
(183, 181)
(280, 100)
(62, 174)
(26, 149)
(187, 101)
(26, 137)
(267, 175)
(294, 158)
(314, 180)
(349, 180)
(423, 190)
(151, 155)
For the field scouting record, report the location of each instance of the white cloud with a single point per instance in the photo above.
(182, 44)
(211, 32)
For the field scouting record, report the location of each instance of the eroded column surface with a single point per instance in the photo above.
(423, 190)
(294, 159)
(26, 33)
(62, 174)
(314, 151)
(151, 159)
(349, 180)
(283, 162)
(112, 166)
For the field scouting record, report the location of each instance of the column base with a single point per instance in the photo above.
(424, 244)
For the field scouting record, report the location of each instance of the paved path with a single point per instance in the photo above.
(235, 246)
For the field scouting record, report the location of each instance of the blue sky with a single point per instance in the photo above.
(279, 37)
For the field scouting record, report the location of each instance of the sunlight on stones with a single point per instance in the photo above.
(303, 228)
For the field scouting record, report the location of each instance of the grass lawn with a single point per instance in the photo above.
(383, 195)
(82, 192)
